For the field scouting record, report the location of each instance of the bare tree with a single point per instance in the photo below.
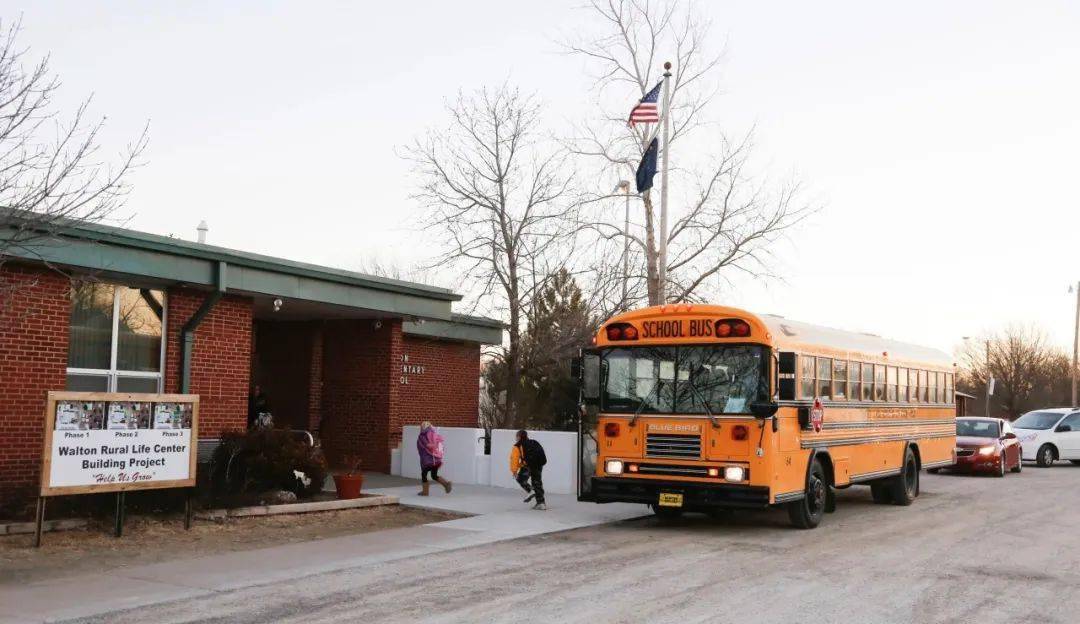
(1028, 370)
(50, 171)
(726, 220)
(497, 198)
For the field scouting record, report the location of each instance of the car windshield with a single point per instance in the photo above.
(977, 428)
(721, 379)
(1037, 420)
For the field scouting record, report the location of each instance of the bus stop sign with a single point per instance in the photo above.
(817, 415)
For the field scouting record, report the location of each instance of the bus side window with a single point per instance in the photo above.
(950, 395)
(879, 382)
(913, 390)
(867, 382)
(924, 390)
(840, 379)
(806, 370)
(933, 388)
(890, 381)
(901, 385)
(824, 375)
(855, 375)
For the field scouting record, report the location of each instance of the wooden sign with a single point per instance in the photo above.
(115, 442)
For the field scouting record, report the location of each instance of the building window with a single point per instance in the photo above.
(840, 379)
(855, 375)
(806, 388)
(115, 340)
(824, 376)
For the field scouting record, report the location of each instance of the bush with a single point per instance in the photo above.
(265, 459)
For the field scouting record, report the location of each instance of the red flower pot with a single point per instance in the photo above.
(348, 485)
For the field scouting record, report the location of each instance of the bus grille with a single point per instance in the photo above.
(685, 471)
(672, 445)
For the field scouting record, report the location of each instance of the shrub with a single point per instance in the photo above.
(265, 459)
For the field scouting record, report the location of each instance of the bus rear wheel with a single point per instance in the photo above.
(904, 487)
(807, 513)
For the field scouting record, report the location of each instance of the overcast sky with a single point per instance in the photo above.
(941, 138)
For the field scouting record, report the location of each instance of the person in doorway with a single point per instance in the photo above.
(520, 471)
(257, 406)
(430, 446)
(533, 454)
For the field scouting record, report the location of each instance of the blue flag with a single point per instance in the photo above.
(647, 169)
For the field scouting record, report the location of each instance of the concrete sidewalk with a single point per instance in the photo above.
(500, 515)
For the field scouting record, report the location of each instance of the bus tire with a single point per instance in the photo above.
(667, 514)
(807, 512)
(881, 493)
(904, 487)
(933, 470)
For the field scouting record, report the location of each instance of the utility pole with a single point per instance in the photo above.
(662, 269)
(1076, 344)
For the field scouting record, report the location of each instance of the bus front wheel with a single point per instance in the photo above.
(807, 513)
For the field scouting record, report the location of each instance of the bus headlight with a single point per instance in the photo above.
(734, 473)
(613, 466)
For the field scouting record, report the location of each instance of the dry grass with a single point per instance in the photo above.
(150, 539)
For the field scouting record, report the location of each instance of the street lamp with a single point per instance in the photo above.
(989, 377)
(624, 186)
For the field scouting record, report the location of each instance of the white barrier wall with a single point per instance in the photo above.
(464, 460)
(461, 446)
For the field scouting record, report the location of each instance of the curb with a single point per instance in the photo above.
(22, 528)
(293, 508)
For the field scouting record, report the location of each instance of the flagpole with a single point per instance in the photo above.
(662, 269)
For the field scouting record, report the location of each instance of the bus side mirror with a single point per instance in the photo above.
(575, 369)
(763, 409)
(590, 378)
(785, 376)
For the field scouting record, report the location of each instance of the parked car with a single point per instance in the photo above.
(986, 445)
(1048, 435)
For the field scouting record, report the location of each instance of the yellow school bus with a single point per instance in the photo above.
(704, 407)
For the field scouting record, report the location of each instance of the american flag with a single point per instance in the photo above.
(647, 110)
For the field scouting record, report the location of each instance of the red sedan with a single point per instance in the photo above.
(986, 445)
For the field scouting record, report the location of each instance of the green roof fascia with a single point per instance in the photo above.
(460, 327)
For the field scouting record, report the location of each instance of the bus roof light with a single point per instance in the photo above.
(741, 328)
(723, 329)
(614, 332)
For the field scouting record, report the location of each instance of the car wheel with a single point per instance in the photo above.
(904, 487)
(667, 513)
(1045, 457)
(807, 513)
(1001, 467)
(1019, 463)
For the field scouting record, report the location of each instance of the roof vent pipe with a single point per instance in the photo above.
(202, 229)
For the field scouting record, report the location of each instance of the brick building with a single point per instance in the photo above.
(351, 358)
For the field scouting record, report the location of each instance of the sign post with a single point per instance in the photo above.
(115, 442)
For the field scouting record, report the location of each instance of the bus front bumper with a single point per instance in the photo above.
(695, 496)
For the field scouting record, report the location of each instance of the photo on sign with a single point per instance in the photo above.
(129, 415)
(172, 416)
(79, 415)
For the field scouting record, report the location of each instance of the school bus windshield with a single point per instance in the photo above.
(714, 379)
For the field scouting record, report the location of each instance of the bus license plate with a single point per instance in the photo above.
(670, 499)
